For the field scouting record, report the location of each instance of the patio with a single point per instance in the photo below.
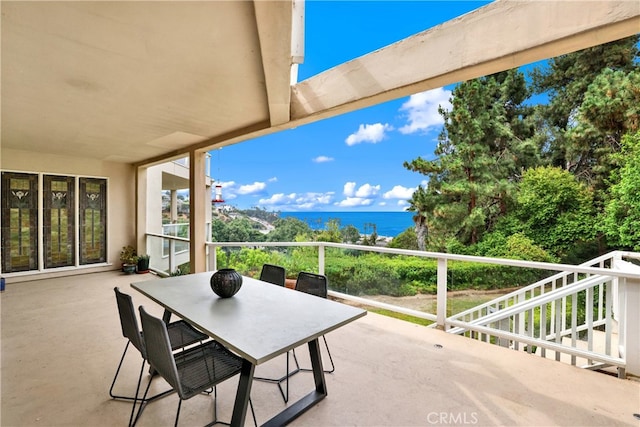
(61, 343)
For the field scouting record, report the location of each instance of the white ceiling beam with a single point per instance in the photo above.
(275, 44)
(502, 35)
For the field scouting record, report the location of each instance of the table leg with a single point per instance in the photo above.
(316, 365)
(301, 406)
(243, 394)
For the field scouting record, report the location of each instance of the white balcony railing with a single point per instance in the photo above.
(571, 314)
(551, 317)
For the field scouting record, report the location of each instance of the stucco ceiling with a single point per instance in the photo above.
(126, 81)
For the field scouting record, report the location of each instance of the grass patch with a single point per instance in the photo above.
(401, 316)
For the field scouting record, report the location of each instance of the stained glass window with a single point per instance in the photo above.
(93, 220)
(19, 222)
(20, 230)
(59, 221)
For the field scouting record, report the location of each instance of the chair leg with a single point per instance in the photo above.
(253, 414)
(327, 371)
(285, 396)
(284, 378)
(135, 398)
(135, 401)
(215, 404)
(144, 400)
(215, 419)
(178, 413)
(113, 383)
(215, 411)
(333, 367)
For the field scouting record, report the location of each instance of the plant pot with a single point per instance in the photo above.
(290, 283)
(129, 268)
(143, 265)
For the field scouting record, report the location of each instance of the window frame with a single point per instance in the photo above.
(77, 264)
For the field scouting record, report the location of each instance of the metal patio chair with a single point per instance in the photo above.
(181, 335)
(276, 275)
(191, 371)
(273, 274)
(318, 285)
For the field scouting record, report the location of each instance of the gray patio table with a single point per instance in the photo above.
(258, 323)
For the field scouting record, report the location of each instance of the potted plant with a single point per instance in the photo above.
(129, 259)
(143, 263)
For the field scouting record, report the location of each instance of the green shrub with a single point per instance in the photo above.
(381, 274)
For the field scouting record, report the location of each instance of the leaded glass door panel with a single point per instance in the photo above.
(59, 221)
(93, 220)
(19, 222)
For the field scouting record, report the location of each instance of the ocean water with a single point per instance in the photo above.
(388, 224)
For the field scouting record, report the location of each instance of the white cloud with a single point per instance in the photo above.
(274, 179)
(316, 198)
(402, 203)
(348, 189)
(363, 196)
(350, 202)
(399, 192)
(256, 187)
(295, 201)
(422, 110)
(323, 159)
(277, 199)
(369, 133)
(231, 189)
(367, 190)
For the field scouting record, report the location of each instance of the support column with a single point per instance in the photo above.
(142, 210)
(173, 207)
(629, 322)
(197, 213)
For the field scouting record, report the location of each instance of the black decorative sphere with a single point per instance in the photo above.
(226, 282)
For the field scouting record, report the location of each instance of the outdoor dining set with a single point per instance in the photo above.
(216, 338)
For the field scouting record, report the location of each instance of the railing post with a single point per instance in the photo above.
(172, 255)
(632, 326)
(615, 285)
(320, 258)
(629, 322)
(441, 298)
(213, 258)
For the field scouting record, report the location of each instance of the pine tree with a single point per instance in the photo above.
(419, 204)
(482, 148)
(610, 110)
(566, 80)
(622, 212)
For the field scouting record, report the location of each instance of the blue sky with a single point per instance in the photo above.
(352, 162)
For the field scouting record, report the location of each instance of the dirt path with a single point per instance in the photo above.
(420, 301)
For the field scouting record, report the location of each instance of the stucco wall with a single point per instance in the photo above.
(120, 203)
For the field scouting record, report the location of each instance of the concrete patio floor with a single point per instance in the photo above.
(61, 343)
